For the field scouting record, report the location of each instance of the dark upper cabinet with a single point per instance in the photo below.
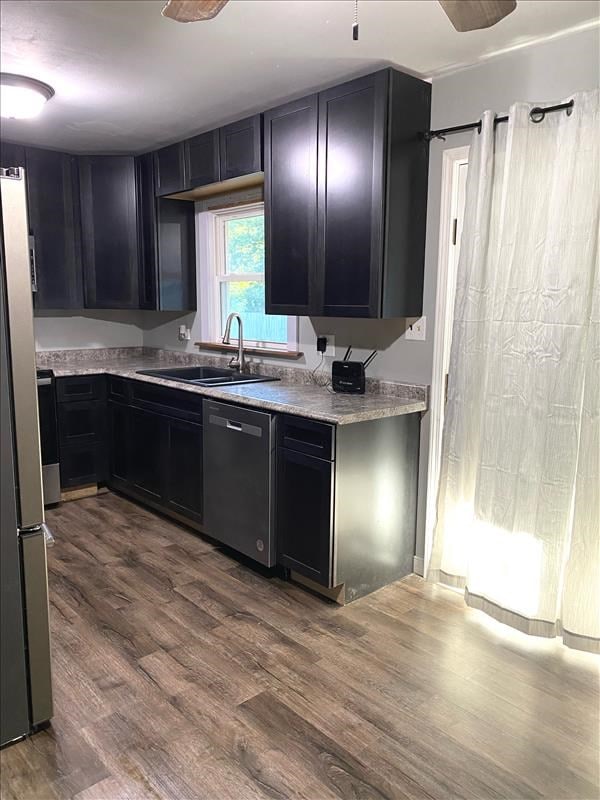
(55, 228)
(170, 166)
(109, 231)
(203, 165)
(291, 207)
(176, 255)
(371, 190)
(147, 232)
(241, 147)
(11, 155)
(350, 188)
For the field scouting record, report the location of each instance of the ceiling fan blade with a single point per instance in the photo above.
(472, 15)
(192, 10)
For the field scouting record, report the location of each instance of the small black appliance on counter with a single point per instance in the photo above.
(349, 376)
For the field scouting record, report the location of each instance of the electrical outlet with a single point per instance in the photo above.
(184, 334)
(330, 344)
(416, 331)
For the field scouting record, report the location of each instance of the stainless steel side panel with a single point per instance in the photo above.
(33, 549)
(22, 349)
(51, 481)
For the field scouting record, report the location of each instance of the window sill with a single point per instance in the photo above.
(292, 355)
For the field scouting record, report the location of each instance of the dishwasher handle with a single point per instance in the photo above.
(234, 425)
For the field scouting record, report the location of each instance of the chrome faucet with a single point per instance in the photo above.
(240, 362)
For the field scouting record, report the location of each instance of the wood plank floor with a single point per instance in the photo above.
(180, 673)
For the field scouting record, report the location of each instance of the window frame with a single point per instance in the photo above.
(212, 257)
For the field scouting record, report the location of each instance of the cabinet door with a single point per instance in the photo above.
(11, 155)
(183, 482)
(147, 232)
(176, 255)
(291, 207)
(305, 514)
(81, 422)
(147, 433)
(352, 120)
(119, 441)
(203, 159)
(109, 231)
(55, 226)
(82, 464)
(170, 169)
(241, 147)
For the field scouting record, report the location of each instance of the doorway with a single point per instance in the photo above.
(452, 209)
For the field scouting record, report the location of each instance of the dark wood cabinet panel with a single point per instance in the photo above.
(82, 465)
(146, 433)
(351, 202)
(11, 155)
(119, 441)
(370, 184)
(183, 461)
(147, 231)
(170, 169)
(291, 207)
(176, 255)
(109, 231)
(305, 514)
(55, 228)
(241, 147)
(203, 159)
(81, 422)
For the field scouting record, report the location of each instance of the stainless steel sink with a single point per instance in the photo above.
(206, 376)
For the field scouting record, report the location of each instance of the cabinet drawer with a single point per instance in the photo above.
(174, 402)
(80, 422)
(80, 387)
(118, 389)
(305, 436)
(82, 464)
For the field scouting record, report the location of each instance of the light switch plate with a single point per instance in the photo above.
(416, 331)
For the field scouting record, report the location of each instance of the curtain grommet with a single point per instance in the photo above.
(537, 114)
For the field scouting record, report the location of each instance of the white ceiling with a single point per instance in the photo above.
(127, 79)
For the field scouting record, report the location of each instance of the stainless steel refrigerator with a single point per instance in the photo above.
(25, 678)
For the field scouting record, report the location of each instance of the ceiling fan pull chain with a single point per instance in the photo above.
(355, 23)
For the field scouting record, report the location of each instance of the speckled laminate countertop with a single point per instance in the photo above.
(297, 396)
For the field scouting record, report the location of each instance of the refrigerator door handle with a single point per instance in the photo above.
(33, 264)
(19, 304)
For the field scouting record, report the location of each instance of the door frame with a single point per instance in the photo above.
(452, 159)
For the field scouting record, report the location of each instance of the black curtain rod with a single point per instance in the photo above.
(536, 114)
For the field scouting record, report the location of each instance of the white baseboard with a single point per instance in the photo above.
(418, 565)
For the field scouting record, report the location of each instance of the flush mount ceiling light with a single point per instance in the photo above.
(22, 97)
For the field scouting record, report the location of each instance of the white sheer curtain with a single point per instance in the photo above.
(518, 521)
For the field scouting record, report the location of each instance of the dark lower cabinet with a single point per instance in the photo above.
(82, 465)
(146, 431)
(153, 456)
(119, 441)
(109, 231)
(183, 463)
(305, 514)
(81, 417)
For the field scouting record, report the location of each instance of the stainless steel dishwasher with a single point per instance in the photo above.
(239, 455)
